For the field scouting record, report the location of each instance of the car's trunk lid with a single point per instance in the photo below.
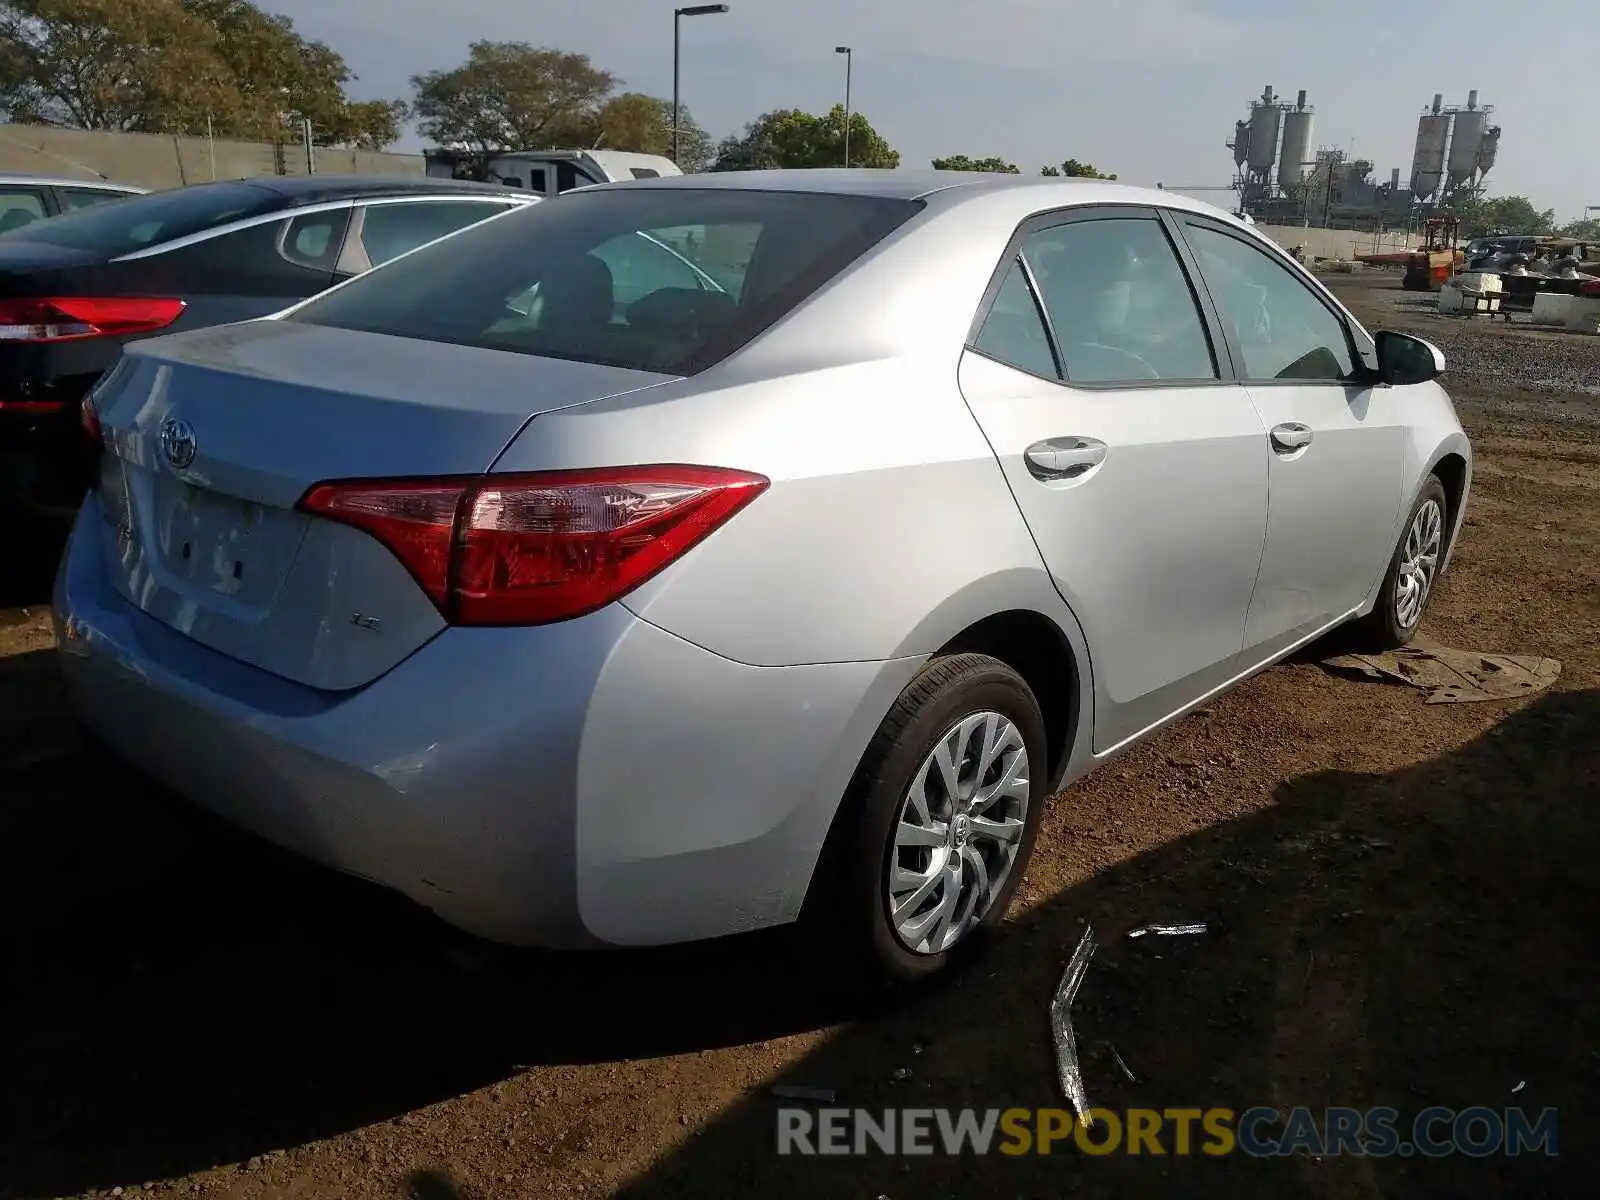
(214, 436)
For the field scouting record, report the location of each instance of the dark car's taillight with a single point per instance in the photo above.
(69, 318)
(530, 549)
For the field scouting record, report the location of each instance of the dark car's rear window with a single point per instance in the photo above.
(143, 221)
(656, 279)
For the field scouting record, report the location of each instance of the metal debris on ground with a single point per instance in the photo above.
(1168, 930)
(1122, 1063)
(788, 1091)
(1453, 676)
(1067, 1068)
(901, 1074)
(1521, 1083)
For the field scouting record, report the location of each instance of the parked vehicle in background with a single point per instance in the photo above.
(25, 199)
(791, 589)
(548, 172)
(76, 288)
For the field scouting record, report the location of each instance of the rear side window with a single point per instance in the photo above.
(72, 199)
(145, 221)
(1014, 331)
(1120, 305)
(390, 230)
(562, 279)
(314, 239)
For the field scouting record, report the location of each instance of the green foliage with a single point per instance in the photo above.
(643, 124)
(960, 162)
(511, 96)
(1073, 169)
(170, 66)
(1585, 230)
(1050, 172)
(792, 138)
(1481, 215)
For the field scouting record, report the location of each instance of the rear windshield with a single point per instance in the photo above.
(143, 221)
(656, 279)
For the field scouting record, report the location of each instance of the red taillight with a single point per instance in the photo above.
(529, 549)
(67, 318)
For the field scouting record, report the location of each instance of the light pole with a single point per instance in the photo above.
(849, 67)
(678, 14)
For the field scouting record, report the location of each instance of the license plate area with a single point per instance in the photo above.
(207, 541)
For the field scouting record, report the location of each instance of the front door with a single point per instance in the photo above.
(1140, 469)
(1336, 442)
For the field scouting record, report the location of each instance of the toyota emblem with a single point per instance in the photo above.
(177, 442)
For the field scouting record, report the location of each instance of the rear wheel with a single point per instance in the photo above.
(942, 818)
(1413, 571)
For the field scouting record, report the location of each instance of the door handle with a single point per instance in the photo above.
(1064, 457)
(1291, 436)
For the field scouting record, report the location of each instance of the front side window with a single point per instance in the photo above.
(1119, 302)
(1283, 330)
(390, 230)
(570, 280)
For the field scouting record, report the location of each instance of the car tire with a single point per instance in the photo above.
(938, 709)
(1416, 561)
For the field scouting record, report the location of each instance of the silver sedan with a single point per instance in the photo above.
(690, 556)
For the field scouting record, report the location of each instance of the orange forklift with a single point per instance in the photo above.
(1439, 257)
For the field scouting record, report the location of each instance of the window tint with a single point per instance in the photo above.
(1119, 302)
(72, 199)
(20, 207)
(144, 221)
(314, 239)
(390, 230)
(245, 262)
(538, 282)
(1283, 330)
(1014, 332)
(641, 264)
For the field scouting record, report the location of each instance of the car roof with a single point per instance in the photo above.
(104, 185)
(1043, 191)
(317, 189)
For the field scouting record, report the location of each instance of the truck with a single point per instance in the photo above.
(547, 172)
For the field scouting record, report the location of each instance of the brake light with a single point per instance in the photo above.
(531, 549)
(69, 318)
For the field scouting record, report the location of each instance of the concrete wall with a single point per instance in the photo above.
(1336, 243)
(157, 161)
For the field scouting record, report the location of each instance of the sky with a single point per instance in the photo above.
(1149, 89)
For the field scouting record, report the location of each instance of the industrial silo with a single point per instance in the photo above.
(1465, 143)
(1427, 164)
(1264, 120)
(1241, 142)
(1487, 149)
(1295, 154)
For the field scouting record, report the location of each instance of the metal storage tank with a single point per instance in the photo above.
(1241, 142)
(1488, 148)
(1298, 126)
(1264, 119)
(1427, 164)
(1465, 145)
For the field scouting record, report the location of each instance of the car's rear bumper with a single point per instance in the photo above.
(599, 780)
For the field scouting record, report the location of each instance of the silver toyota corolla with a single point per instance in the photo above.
(688, 556)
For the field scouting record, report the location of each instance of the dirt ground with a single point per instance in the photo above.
(1401, 900)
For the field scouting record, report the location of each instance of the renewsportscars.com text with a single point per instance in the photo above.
(1259, 1132)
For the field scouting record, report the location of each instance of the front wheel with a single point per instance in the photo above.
(944, 813)
(1413, 571)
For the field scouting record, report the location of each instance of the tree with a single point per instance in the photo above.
(643, 124)
(960, 162)
(1073, 169)
(792, 138)
(178, 66)
(511, 96)
(1482, 215)
(1585, 229)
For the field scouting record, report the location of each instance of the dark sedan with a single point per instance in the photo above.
(75, 288)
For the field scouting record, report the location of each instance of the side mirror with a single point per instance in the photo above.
(1403, 359)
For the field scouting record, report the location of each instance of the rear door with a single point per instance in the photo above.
(257, 268)
(1336, 443)
(1137, 461)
